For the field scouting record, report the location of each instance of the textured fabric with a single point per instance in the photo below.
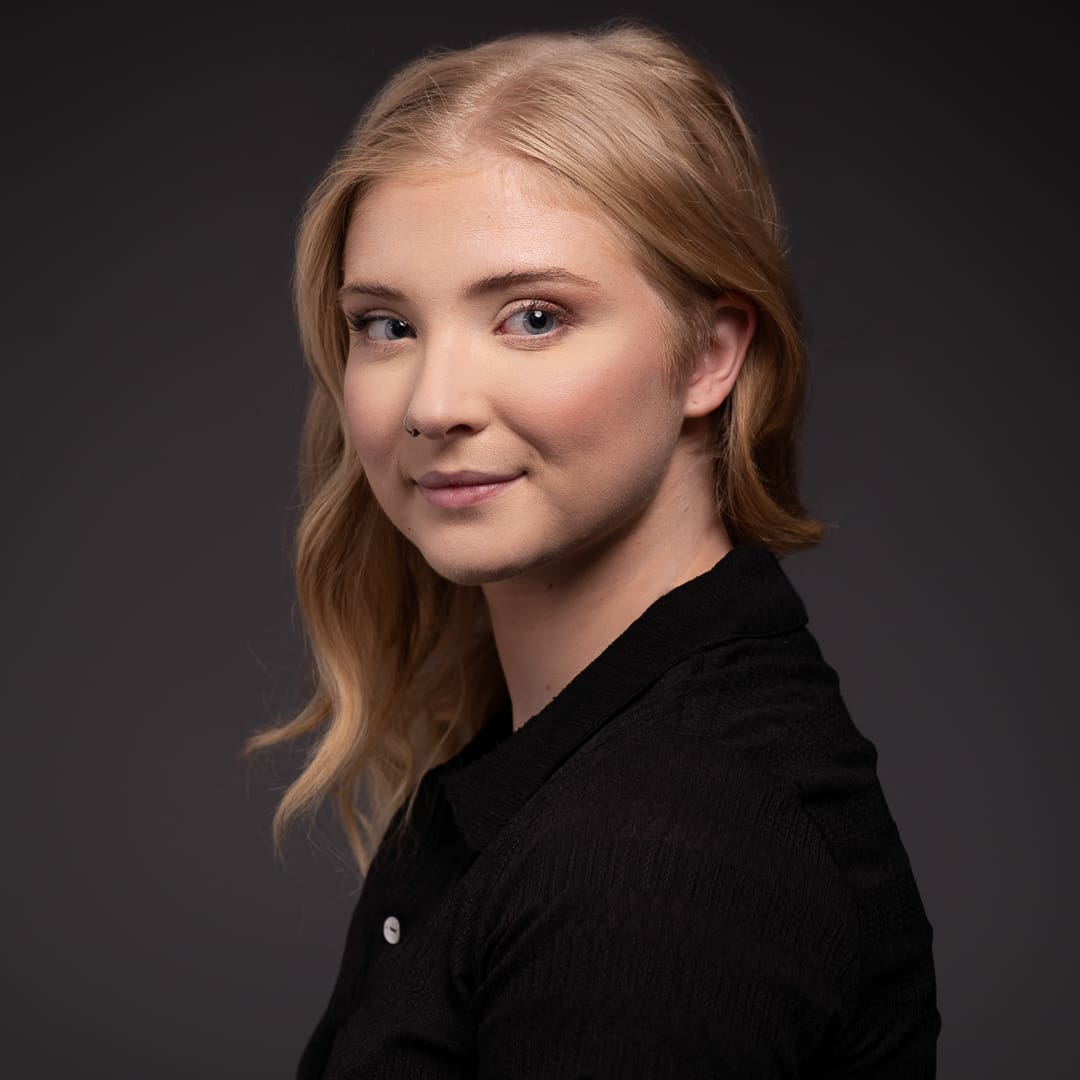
(683, 866)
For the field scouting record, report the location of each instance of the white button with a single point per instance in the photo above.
(391, 930)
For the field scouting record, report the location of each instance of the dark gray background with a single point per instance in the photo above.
(156, 161)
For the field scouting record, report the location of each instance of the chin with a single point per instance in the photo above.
(472, 568)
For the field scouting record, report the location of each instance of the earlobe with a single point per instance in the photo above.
(718, 366)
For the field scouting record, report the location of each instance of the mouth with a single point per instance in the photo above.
(464, 488)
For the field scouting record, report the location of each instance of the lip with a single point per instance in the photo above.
(464, 488)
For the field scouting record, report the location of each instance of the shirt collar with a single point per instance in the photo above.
(745, 594)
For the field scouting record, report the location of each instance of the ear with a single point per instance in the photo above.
(717, 367)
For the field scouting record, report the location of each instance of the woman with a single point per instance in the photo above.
(623, 824)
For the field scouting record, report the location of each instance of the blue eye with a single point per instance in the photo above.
(381, 327)
(534, 321)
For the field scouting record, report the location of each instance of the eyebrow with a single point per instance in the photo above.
(547, 275)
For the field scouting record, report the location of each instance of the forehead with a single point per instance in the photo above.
(479, 215)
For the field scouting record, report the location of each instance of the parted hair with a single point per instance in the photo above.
(645, 134)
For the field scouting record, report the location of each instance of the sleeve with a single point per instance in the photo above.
(665, 938)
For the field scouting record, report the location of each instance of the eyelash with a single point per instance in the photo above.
(359, 323)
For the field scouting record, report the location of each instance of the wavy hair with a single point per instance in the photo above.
(645, 134)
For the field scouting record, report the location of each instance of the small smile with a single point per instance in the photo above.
(463, 488)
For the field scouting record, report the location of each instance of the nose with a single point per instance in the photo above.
(449, 395)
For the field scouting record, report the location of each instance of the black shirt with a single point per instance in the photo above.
(683, 866)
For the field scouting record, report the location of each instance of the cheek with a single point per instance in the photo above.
(606, 411)
(373, 414)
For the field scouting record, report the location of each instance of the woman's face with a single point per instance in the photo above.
(526, 347)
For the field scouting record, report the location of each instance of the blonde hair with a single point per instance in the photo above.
(649, 137)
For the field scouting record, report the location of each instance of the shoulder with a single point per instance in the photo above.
(662, 882)
(720, 834)
(723, 764)
(750, 739)
(764, 717)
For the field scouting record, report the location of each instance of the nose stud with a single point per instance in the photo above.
(405, 424)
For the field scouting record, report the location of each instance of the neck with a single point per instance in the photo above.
(552, 622)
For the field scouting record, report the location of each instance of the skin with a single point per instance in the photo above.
(613, 504)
